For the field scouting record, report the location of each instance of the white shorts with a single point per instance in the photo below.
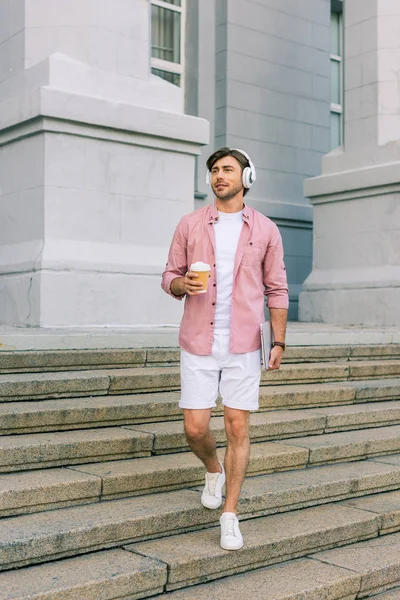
(235, 376)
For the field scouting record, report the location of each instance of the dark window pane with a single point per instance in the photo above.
(335, 81)
(335, 130)
(171, 77)
(335, 34)
(165, 34)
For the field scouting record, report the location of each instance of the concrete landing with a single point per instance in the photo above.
(298, 334)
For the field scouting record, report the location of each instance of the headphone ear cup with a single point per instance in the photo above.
(247, 178)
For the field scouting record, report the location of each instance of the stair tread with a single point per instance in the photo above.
(35, 450)
(34, 491)
(387, 505)
(366, 568)
(156, 370)
(317, 415)
(97, 411)
(138, 379)
(62, 532)
(171, 396)
(169, 436)
(69, 437)
(390, 595)
(378, 561)
(345, 437)
(108, 575)
(127, 477)
(302, 578)
(197, 557)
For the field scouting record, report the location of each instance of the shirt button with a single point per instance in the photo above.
(211, 323)
(213, 303)
(214, 265)
(251, 243)
(214, 284)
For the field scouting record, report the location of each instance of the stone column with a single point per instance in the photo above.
(96, 165)
(356, 267)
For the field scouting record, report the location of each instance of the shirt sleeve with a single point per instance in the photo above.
(274, 273)
(177, 260)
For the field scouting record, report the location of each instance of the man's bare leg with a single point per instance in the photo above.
(237, 454)
(200, 439)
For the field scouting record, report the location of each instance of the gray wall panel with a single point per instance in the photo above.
(272, 98)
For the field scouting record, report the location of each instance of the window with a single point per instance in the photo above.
(336, 55)
(167, 40)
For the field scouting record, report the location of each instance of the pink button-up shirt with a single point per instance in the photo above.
(259, 271)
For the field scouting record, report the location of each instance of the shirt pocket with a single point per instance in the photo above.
(252, 255)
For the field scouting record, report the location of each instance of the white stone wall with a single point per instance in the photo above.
(97, 167)
(356, 269)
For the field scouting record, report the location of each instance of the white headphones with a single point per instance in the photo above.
(248, 175)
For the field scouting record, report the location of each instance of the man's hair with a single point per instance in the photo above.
(222, 153)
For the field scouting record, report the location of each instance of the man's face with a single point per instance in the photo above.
(226, 178)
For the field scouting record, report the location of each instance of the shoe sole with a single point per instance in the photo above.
(211, 507)
(215, 507)
(231, 549)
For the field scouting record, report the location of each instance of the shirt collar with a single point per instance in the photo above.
(213, 214)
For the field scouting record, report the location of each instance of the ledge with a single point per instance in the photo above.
(351, 185)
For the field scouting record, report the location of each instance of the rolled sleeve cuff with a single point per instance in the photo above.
(278, 302)
(166, 285)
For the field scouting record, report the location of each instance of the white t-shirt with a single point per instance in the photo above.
(227, 232)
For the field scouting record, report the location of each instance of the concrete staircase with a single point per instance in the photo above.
(99, 498)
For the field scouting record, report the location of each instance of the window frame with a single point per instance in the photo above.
(166, 65)
(337, 8)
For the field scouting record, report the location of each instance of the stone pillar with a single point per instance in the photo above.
(96, 166)
(356, 267)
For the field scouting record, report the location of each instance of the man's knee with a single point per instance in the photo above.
(196, 430)
(237, 428)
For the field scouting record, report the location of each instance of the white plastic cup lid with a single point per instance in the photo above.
(200, 266)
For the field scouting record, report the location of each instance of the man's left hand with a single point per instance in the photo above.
(275, 358)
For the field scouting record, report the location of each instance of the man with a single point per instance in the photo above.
(220, 329)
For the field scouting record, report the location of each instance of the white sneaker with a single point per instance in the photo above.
(211, 496)
(231, 538)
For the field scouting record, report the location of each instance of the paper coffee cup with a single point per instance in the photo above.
(203, 272)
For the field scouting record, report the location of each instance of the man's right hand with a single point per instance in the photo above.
(186, 285)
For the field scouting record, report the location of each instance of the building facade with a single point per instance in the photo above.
(108, 112)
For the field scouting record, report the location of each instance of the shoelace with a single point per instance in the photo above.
(230, 527)
(212, 479)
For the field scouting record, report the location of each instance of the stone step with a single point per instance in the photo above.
(33, 386)
(390, 595)
(62, 360)
(52, 449)
(139, 380)
(38, 490)
(376, 561)
(45, 489)
(35, 451)
(264, 426)
(184, 560)
(92, 412)
(108, 575)
(350, 445)
(341, 574)
(197, 557)
(35, 491)
(105, 411)
(61, 533)
(353, 571)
